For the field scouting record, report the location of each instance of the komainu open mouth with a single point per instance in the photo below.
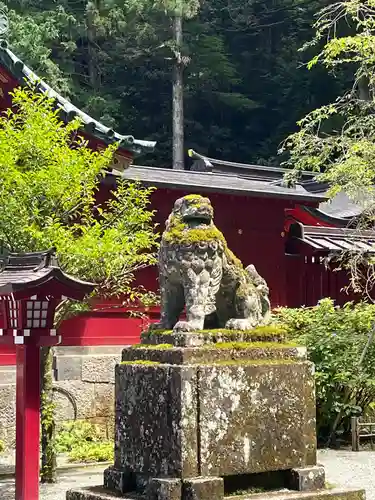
(199, 220)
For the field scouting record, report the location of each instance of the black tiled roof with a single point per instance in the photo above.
(23, 271)
(214, 182)
(325, 240)
(21, 72)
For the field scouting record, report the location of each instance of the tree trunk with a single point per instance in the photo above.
(364, 89)
(178, 97)
(48, 466)
(92, 60)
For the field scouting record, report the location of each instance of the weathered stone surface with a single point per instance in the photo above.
(156, 420)
(8, 414)
(164, 489)
(95, 493)
(83, 395)
(204, 337)
(7, 375)
(227, 351)
(100, 368)
(99, 493)
(255, 417)
(116, 480)
(68, 368)
(334, 494)
(203, 488)
(104, 395)
(307, 478)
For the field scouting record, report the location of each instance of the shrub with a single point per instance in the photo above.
(335, 338)
(83, 442)
(92, 452)
(78, 433)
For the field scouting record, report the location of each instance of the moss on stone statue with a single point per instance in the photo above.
(179, 232)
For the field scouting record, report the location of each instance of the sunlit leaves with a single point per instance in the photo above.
(337, 140)
(49, 180)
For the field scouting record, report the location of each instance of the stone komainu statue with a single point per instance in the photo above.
(197, 270)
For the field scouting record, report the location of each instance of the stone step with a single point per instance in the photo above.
(99, 493)
(327, 494)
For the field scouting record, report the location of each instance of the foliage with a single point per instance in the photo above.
(244, 90)
(92, 452)
(337, 140)
(83, 442)
(47, 421)
(75, 433)
(49, 179)
(335, 338)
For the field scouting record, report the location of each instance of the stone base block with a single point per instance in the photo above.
(95, 493)
(116, 480)
(164, 489)
(203, 488)
(99, 493)
(307, 478)
(334, 494)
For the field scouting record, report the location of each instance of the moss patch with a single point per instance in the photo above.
(156, 346)
(249, 345)
(140, 362)
(253, 362)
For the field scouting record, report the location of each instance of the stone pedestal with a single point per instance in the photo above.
(205, 417)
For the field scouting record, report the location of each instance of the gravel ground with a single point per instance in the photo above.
(90, 476)
(343, 468)
(351, 469)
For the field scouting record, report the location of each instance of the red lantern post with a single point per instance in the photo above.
(31, 286)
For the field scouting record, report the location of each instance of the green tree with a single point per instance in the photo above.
(49, 179)
(337, 140)
(243, 89)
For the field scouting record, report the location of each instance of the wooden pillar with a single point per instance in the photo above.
(355, 433)
(27, 422)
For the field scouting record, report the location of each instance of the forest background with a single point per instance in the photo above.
(245, 84)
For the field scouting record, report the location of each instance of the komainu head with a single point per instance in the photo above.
(191, 222)
(194, 210)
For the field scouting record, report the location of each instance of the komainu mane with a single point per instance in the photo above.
(199, 271)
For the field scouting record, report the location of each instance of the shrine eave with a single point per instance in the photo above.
(21, 73)
(308, 180)
(317, 240)
(306, 214)
(31, 271)
(214, 182)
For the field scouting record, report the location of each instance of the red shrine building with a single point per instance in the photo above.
(284, 231)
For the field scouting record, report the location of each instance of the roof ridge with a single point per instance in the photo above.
(92, 126)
